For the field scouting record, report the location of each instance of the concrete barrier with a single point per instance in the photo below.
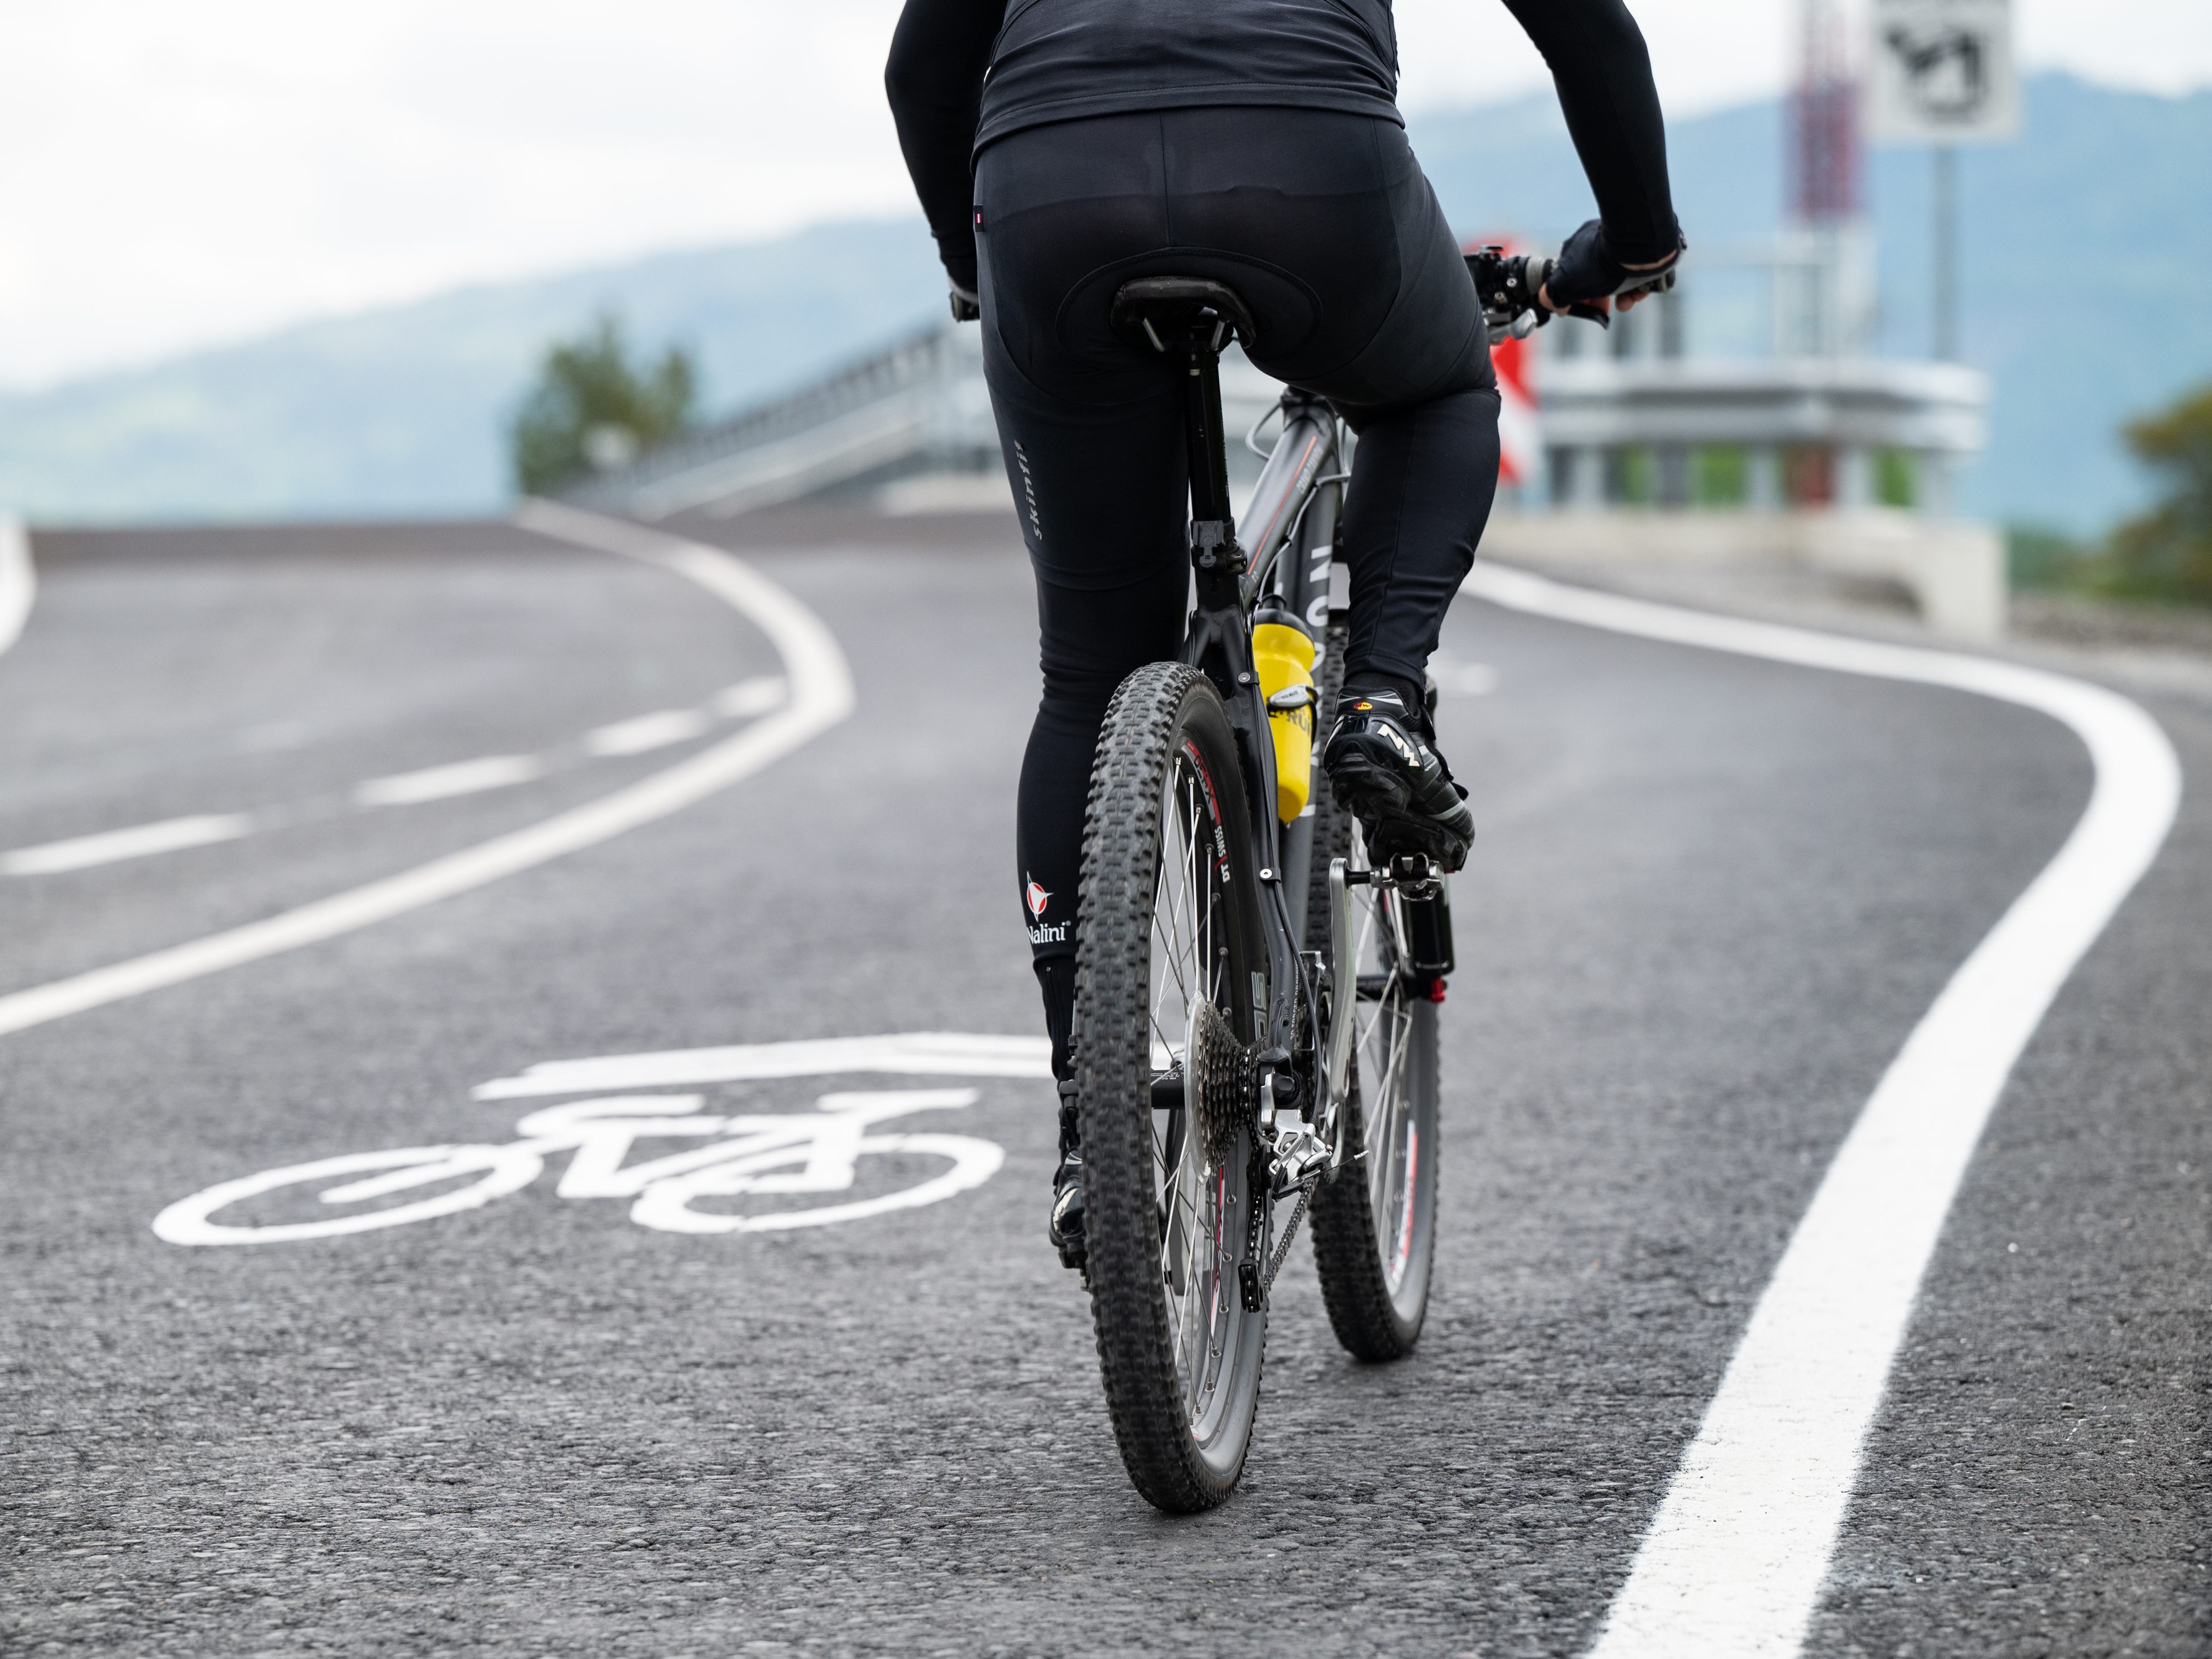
(1955, 570)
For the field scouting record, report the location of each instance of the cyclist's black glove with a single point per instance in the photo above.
(1586, 271)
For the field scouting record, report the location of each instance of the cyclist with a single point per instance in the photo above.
(1061, 148)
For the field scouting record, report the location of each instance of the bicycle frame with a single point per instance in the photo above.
(1284, 547)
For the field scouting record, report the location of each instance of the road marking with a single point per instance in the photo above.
(750, 1155)
(113, 846)
(1734, 1559)
(1455, 679)
(644, 732)
(468, 777)
(18, 583)
(743, 701)
(749, 697)
(914, 1053)
(821, 695)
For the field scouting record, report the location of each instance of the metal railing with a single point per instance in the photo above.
(893, 391)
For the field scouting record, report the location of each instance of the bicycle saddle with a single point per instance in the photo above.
(1181, 313)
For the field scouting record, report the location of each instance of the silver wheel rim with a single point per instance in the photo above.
(1383, 1047)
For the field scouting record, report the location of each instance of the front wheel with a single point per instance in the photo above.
(1170, 989)
(1375, 1219)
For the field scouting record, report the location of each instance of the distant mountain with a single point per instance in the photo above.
(404, 411)
(2084, 251)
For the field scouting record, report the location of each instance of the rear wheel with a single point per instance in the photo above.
(1169, 991)
(1374, 1220)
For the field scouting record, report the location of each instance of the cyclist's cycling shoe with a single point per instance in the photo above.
(1381, 764)
(1065, 1225)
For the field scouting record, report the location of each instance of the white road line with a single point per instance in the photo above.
(1733, 1564)
(916, 1053)
(644, 732)
(821, 694)
(114, 846)
(1455, 679)
(18, 583)
(744, 700)
(749, 697)
(441, 782)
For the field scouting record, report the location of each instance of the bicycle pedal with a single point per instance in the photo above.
(1416, 875)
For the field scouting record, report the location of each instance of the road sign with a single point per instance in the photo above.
(1942, 70)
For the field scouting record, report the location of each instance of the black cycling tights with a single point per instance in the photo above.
(1325, 225)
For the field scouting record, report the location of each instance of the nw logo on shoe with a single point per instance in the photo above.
(1038, 899)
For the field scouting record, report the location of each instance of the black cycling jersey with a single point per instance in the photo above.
(963, 73)
(1057, 60)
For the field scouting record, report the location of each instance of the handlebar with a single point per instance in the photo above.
(1507, 287)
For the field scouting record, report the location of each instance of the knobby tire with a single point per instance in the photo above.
(1182, 1458)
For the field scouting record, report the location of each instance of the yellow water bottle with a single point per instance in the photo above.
(1283, 654)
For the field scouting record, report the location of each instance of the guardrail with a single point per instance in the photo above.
(910, 399)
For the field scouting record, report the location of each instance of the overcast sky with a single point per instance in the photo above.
(173, 175)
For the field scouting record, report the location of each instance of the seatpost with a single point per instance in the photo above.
(1214, 554)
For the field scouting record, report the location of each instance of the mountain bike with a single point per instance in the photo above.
(1255, 1004)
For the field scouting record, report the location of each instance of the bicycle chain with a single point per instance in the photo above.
(1283, 1249)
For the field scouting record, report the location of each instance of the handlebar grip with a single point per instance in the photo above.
(1506, 288)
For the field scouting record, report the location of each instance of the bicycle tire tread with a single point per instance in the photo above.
(1130, 1317)
(1359, 1305)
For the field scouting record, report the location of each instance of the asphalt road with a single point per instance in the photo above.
(1713, 896)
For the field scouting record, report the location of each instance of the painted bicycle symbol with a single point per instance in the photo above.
(743, 1173)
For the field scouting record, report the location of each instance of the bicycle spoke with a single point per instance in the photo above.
(1385, 1143)
(1168, 902)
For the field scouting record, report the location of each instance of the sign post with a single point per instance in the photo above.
(1941, 73)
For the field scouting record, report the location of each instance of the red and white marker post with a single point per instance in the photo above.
(1520, 435)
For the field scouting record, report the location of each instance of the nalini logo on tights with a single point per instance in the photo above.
(1042, 932)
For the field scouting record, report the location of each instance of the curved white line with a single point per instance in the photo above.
(666, 1205)
(18, 583)
(1734, 1559)
(821, 694)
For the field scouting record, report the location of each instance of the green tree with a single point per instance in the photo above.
(2167, 553)
(592, 407)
